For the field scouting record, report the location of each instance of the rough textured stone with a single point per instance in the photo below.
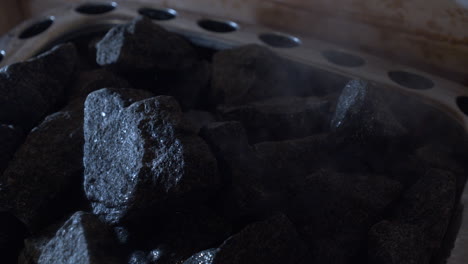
(90, 81)
(83, 239)
(280, 118)
(32, 89)
(249, 73)
(204, 257)
(334, 212)
(146, 149)
(271, 241)
(44, 177)
(428, 204)
(143, 45)
(363, 117)
(396, 243)
(11, 138)
(246, 192)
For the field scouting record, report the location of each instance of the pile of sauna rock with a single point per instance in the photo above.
(136, 146)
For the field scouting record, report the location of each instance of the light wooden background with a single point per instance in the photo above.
(428, 34)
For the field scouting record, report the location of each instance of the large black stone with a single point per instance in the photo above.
(11, 138)
(142, 45)
(249, 73)
(272, 241)
(32, 89)
(334, 212)
(146, 149)
(44, 177)
(280, 118)
(82, 239)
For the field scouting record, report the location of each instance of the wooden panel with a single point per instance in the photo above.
(428, 34)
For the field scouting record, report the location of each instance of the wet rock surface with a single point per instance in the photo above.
(82, 239)
(43, 179)
(172, 153)
(146, 149)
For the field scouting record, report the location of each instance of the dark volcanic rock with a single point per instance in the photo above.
(12, 233)
(44, 177)
(82, 239)
(11, 138)
(362, 116)
(242, 172)
(249, 73)
(428, 204)
(175, 236)
(396, 243)
(280, 118)
(94, 80)
(334, 212)
(204, 257)
(146, 149)
(143, 45)
(272, 241)
(32, 89)
(295, 157)
(199, 119)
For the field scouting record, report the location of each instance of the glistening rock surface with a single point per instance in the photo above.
(145, 149)
(83, 239)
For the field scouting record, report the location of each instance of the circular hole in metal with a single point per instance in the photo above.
(158, 14)
(2, 54)
(37, 28)
(411, 80)
(343, 59)
(462, 103)
(96, 8)
(218, 26)
(279, 40)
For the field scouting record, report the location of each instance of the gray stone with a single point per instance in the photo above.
(83, 239)
(32, 89)
(280, 118)
(333, 212)
(396, 243)
(146, 149)
(362, 116)
(249, 73)
(90, 81)
(11, 138)
(142, 45)
(43, 179)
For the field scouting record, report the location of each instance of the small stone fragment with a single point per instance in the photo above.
(11, 138)
(83, 239)
(396, 243)
(141, 46)
(363, 117)
(334, 212)
(249, 73)
(43, 180)
(93, 80)
(280, 118)
(32, 89)
(146, 149)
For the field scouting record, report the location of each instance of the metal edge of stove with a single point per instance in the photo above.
(65, 19)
